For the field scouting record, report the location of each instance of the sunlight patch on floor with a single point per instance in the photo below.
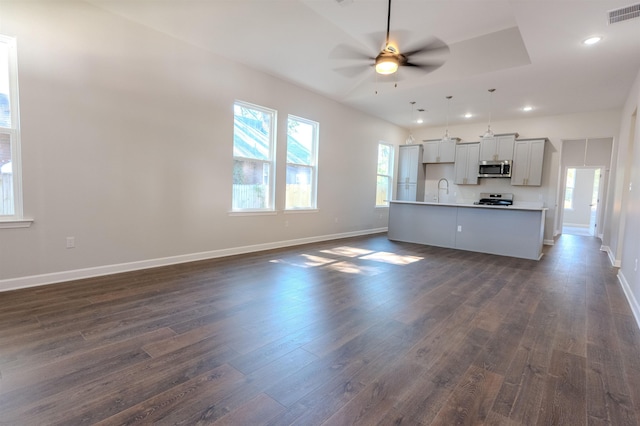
(347, 251)
(352, 268)
(337, 264)
(394, 259)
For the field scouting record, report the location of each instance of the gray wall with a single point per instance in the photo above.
(127, 146)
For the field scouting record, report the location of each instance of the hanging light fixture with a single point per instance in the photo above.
(411, 139)
(446, 137)
(489, 132)
(420, 118)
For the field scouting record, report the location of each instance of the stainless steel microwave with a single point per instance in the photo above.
(494, 169)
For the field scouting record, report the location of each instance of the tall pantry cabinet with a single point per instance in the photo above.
(410, 185)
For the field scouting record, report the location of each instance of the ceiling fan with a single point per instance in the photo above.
(391, 57)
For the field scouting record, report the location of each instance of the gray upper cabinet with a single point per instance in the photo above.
(437, 151)
(466, 166)
(497, 148)
(410, 185)
(528, 156)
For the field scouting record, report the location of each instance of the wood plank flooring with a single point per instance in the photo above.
(359, 331)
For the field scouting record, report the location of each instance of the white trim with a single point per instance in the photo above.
(615, 263)
(252, 212)
(633, 302)
(299, 211)
(548, 242)
(57, 277)
(15, 223)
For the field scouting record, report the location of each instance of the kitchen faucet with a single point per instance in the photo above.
(446, 187)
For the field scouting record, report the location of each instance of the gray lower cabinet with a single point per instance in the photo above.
(415, 223)
(494, 230)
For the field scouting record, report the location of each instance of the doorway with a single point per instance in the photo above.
(582, 196)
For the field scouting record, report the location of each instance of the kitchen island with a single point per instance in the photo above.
(515, 231)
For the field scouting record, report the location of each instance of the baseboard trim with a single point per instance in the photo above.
(615, 263)
(58, 277)
(633, 302)
(548, 242)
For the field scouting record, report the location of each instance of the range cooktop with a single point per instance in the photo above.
(488, 199)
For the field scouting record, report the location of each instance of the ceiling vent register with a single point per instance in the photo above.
(624, 14)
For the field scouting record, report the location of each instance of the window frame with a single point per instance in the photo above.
(271, 161)
(389, 177)
(313, 166)
(17, 218)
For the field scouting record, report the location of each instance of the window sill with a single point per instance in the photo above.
(15, 223)
(253, 213)
(294, 211)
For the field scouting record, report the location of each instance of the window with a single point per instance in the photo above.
(302, 171)
(253, 157)
(568, 191)
(10, 185)
(385, 174)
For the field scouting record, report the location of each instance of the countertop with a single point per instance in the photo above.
(475, 206)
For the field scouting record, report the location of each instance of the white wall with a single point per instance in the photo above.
(127, 146)
(625, 241)
(602, 124)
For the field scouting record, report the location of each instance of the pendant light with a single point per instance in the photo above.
(489, 132)
(411, 139)
(446, 137)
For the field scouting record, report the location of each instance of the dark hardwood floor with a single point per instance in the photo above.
(354, 331)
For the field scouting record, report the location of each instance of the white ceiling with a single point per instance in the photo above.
(530, 51)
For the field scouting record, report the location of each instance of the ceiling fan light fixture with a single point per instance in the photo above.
(386, 64)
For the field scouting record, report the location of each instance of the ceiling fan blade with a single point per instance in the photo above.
(352, 70)
(345, 51)
(425, 66)
(434, 46)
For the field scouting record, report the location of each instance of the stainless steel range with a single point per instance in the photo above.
(493, 199)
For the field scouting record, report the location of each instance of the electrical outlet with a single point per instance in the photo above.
(71, 242)
(459, 228)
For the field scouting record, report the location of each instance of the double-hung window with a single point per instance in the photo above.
(385, 174)
(10, 185)
(302, 170)
(254, 129)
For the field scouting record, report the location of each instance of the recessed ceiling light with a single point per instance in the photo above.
(468, 115)
(527, 108)
(592, 40)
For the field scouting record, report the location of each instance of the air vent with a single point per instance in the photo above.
(624, 14)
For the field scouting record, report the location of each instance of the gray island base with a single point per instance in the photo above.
(502, 230)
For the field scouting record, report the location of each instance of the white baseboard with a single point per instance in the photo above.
(548, 242)
(576, 225)
(57, 277)
(615, 263)
(633, 302)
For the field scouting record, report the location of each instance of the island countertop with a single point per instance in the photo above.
(515, 231)
(478, 206)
